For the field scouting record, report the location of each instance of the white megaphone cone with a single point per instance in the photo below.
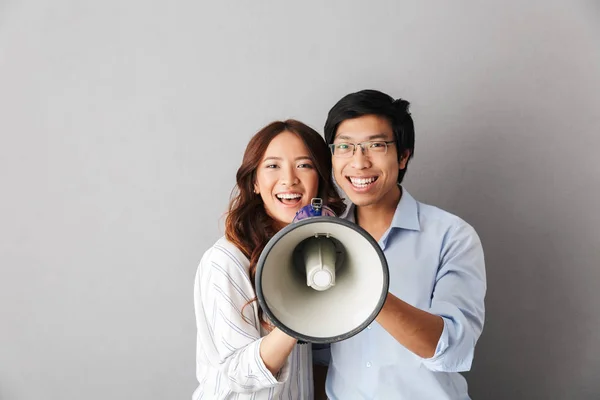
(321, 279)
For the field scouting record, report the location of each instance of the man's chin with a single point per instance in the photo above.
(361, 200)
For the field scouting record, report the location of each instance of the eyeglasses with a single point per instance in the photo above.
(375, 147)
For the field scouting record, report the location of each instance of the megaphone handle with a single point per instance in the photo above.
(316, 205)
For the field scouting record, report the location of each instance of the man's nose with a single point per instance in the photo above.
(359, 159)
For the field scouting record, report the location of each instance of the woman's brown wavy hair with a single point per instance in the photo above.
(247, 224)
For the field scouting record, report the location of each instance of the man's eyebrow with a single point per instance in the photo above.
(372, 137)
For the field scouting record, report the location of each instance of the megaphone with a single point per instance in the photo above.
(321, 279)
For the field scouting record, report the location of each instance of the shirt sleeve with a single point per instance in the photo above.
(458, 297)
(228, 329)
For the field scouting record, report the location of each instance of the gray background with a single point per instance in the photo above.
(123, 122)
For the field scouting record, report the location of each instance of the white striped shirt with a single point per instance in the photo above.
(228, 363)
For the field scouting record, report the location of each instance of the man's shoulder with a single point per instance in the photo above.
(431, 216)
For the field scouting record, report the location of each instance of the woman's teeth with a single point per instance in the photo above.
(289, 198)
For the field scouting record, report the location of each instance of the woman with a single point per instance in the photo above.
(240, 354)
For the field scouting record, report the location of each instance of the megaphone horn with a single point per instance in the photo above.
(321, 279)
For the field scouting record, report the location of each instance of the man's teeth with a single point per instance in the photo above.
(362, 181)
(289, 196)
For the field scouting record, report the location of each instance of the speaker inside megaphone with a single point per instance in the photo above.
(322, 279)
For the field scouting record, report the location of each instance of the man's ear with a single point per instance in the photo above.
(403, 159)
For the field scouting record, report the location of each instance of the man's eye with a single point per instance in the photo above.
(377, 144)
(343, 146)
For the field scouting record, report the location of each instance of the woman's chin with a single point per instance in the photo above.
(285, 216)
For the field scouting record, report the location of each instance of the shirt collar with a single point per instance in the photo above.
(406, 215)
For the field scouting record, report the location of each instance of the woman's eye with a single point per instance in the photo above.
(305, 165)
(271, 166)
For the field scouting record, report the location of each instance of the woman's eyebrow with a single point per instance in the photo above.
(295, 159)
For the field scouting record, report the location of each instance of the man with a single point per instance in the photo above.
(426, 332)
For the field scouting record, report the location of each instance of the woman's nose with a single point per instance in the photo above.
(290, 178)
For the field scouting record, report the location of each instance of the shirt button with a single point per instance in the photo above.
(369, 327)
(368, 364)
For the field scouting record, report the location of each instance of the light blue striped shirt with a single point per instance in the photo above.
(436, 264)
(228, 363)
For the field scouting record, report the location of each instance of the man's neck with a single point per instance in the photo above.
(377, 218)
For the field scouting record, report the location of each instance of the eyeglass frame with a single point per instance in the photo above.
(362, 148)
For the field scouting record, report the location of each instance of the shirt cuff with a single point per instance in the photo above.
(443, 343)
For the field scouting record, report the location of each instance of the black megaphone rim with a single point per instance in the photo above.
(293, 226)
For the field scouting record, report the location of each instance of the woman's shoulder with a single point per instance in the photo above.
(225, 254)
